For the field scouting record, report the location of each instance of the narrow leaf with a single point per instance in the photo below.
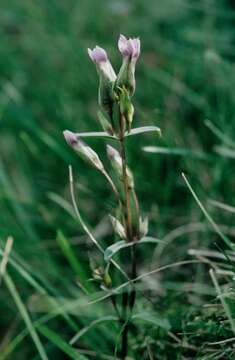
(144, 129)
(24, 313)
(136, 131)
(208, 216)
(96, 134)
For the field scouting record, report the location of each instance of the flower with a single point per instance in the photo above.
(107, 77)
(99, 56)
(129, 47)
(130, 50)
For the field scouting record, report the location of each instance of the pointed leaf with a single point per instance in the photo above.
(144, 129)
(98, 134)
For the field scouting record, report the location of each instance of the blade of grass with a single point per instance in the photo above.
(178, 152)
(24, 313)
(71, 257)
(34, 283)
(218, 133)
(83, 331)
(5, 257)
(60, 343)
(223, 302)
(207, 215)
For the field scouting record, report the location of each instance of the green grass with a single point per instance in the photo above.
(185, 86)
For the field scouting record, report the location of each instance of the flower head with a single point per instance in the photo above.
(129, 47)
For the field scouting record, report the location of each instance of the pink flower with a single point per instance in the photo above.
(129, 47)
(97, 54)
(130, 50)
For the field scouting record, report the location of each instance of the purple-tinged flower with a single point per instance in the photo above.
(130, 50)
(129, 47)
(97, 54)
(107, 77)
(100, 58)
(70, 137)
(85, 151)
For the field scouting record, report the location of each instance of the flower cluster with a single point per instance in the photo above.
(116, 89)
(115, 116)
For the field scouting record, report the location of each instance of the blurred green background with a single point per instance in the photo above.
(185, 85)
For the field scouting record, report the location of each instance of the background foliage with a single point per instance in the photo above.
(185, 85)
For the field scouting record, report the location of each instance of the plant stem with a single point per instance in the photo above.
(127, 299)
(128, 220)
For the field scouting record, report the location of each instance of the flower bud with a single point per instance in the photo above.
(126, 107)
(107, 278)
(130, 50)
(143, 226)
(118, 227)
(116, 162)
(107, 77)
(102, 276)
(86, 152)
(105, 123)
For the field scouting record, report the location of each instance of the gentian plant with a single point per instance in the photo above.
(116, 113)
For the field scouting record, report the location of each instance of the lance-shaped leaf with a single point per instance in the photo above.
(135, 131)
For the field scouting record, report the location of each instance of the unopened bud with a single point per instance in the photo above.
(105, 123)
(126, 107)
(85, 151)
(102, 276)
(143, 226)
(107, 278)
(118, 227)
(116, 162)
(98, 274)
